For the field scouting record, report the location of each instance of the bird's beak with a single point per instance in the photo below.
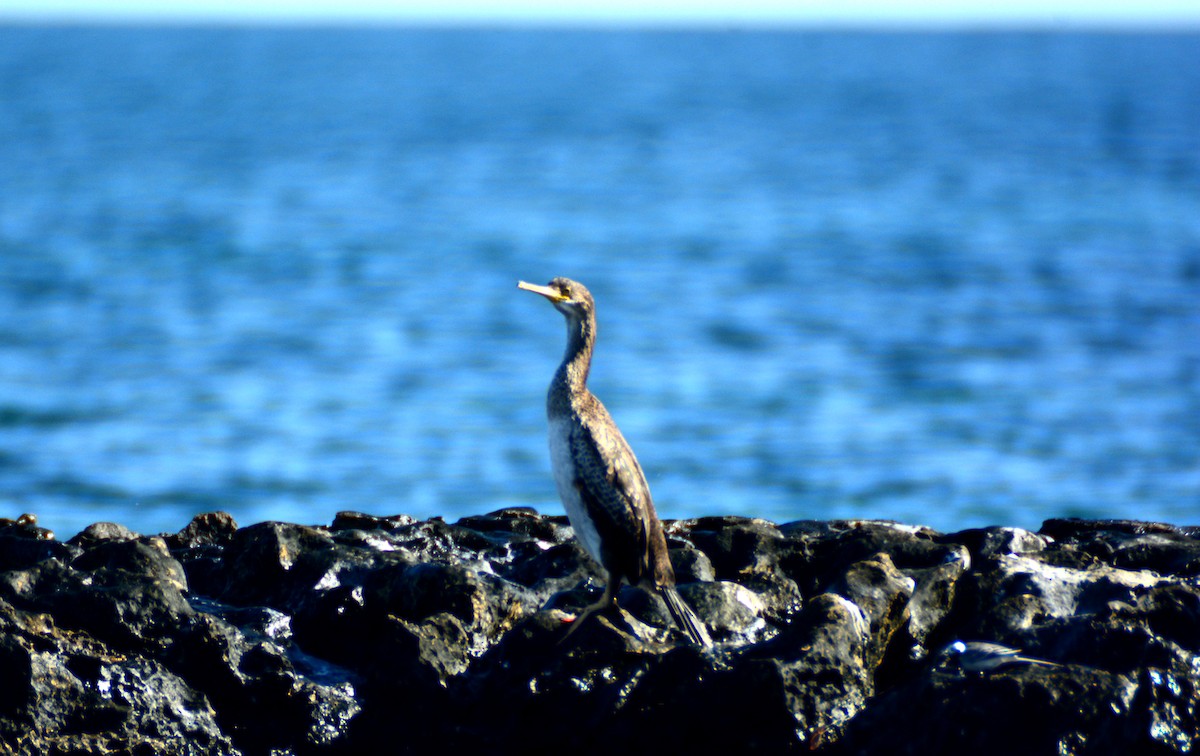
(545, 291)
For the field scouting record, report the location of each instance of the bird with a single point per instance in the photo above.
(981, 656)
(598, 478)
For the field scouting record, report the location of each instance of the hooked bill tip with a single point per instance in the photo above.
(545, 291)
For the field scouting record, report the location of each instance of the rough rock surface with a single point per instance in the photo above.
(393, 635)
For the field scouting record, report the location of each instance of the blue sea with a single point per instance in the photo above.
(944, 278)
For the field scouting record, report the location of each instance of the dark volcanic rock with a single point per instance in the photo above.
(127, 593)
(1033, 710)
(394, 635)
(65, 692)
(23, 543)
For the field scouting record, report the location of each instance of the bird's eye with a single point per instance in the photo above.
(565, 292)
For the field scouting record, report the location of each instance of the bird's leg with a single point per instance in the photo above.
(606, 601)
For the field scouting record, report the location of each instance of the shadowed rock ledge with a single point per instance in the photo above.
(392, 635)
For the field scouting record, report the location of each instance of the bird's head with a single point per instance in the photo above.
(571, 298)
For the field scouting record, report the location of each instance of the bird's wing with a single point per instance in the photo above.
(613, 489)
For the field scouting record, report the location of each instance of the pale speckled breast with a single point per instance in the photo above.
(564, 477)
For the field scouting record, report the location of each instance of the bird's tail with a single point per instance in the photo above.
(684, 617)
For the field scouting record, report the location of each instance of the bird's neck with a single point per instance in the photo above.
(571, 378)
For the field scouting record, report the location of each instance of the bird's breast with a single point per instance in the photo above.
(566, 477)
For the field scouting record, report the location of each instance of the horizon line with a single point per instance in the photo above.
(1033, 23)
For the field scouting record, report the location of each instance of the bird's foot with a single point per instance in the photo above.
(578, 620)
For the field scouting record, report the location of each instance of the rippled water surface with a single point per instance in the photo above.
(946, 278)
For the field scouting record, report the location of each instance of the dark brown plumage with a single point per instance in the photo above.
(599, 479)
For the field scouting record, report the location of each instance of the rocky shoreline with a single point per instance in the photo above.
(393, 635)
